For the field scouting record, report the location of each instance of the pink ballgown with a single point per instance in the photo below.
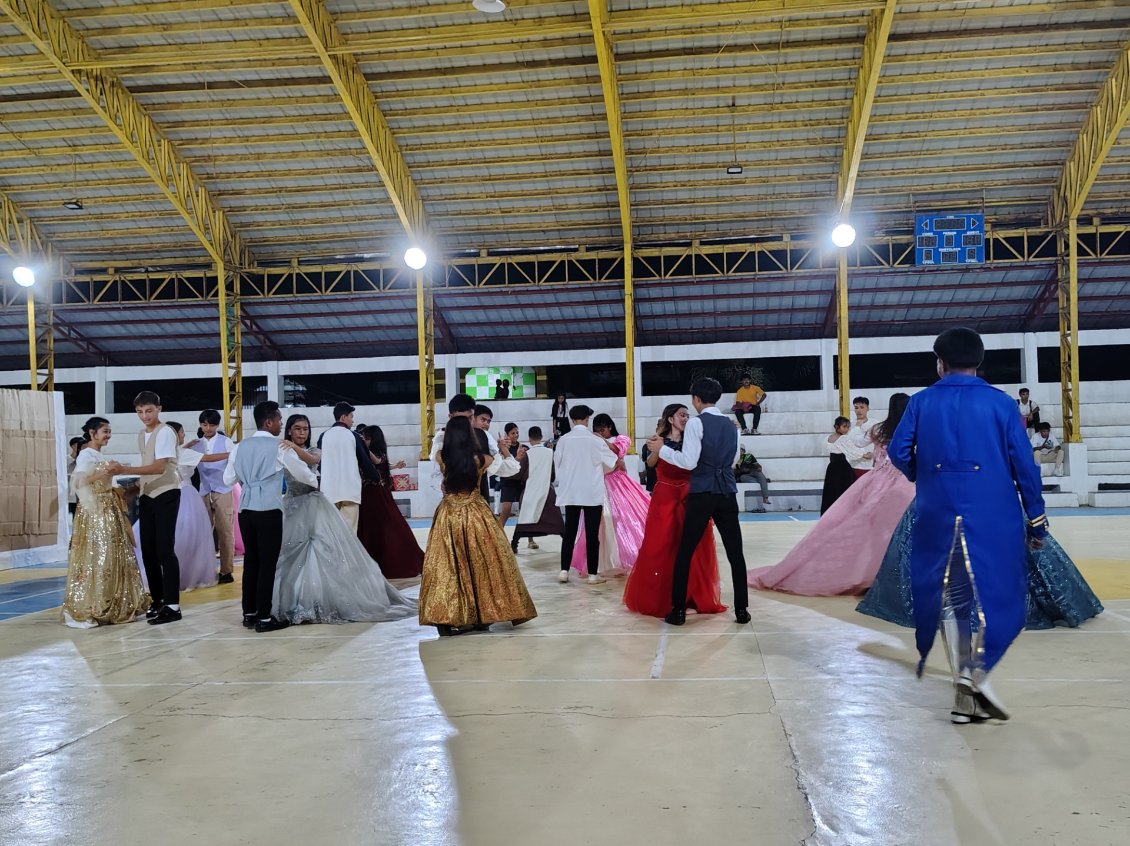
(621, 526)
(842, 553)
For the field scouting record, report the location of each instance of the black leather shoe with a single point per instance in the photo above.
(226, 578)
(165, 615)
(271, 625)
(445, 631)
(742, 616)
(249, 621)
(676, 617)
(154, 610)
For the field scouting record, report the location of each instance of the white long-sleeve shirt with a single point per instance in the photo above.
(859, 436)
(687, 457)
(287, 460)
(580, 459)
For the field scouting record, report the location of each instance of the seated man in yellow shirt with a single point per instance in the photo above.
(748, 400)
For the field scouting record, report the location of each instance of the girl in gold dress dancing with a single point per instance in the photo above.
(103, 580)
(470, 577)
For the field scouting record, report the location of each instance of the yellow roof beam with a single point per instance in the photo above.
(1104, 122)
(862, 101)
(359, 101)
(56, 39)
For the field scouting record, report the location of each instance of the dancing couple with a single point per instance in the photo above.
(707, 452)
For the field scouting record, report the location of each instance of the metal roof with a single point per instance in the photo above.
(502, 124)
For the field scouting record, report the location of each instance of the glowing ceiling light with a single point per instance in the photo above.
(490, 7)
(843, 235)
(415, 258)
(24, 276)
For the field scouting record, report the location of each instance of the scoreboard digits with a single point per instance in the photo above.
(944, 239)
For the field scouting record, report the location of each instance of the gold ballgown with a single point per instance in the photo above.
(103, 580)
(470, 574)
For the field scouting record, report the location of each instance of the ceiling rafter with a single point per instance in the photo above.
(359, 101)
(1097, 136)
(56, 39)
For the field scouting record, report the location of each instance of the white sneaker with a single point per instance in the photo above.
(563, 576)
(596, 580)
(756, 432)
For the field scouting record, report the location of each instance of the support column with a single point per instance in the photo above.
(451, 376)
(1030, 361)
(842, 335)
(1069, 334)
(231, 349)
(41, 342)
(276, 391)
(638, 382)
(425, 345)
(103, 392)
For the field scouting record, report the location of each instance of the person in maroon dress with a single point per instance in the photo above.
(381, 528)
(648, 590)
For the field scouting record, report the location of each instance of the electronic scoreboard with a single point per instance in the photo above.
(944, 239)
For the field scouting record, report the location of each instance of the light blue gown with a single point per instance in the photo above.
(1058, 595)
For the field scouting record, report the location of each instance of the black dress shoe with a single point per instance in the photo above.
(154, 610)
(249, 621)
(165, 615)
(446, 631)
(676, 616)
(226, 578)
(742, 616)
(271, 625)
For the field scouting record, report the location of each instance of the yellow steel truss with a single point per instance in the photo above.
(859, 116)
(598, 13)
(1105, 121)
(425, 346)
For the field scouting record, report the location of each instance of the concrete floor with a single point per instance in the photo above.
(587, 726)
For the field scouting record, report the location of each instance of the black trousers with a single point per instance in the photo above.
(701, 509)
(262, 541)
(592, 534)
(755, 411)
(157, 524)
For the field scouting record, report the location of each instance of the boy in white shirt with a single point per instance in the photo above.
(216, 447)
(1046, 449)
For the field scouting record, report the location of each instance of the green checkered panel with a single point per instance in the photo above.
(479, 382)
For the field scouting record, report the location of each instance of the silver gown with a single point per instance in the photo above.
(324, 574)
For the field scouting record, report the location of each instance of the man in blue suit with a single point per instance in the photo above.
(963, 444)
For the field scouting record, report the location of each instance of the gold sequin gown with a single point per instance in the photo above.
(103, 580)
(470, 574)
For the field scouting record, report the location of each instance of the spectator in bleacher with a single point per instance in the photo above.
(748, 400)
(748, 469)
(1046, 449)
(560, 417)
(859, 436)
(1029, 411)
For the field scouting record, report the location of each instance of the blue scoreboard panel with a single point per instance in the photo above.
(944, 239)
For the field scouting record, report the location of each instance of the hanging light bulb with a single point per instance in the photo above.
(489, 7)
(415, 258)
(843, 235)
(24, 276)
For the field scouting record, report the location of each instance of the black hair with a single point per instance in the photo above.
(960, 348)
(506, 383)
(510, 427)
(535, 433)
(290, 421)
(559, 405)
(175, 426)
(580, 412)
(377, 443)
(460, 404)
(1043, 424)
(460, 454)
(484, 409)
(601, 420)
(1025, 391)
(342, 409)
(706, 389)
(840, 421)
(883, 432)
(91, 426)
(498, 383)
(210, 416)
(146, 398)
(77, 441)
(862, 401)
(264, 412)
(663, 429)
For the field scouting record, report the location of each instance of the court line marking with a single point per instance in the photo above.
(660, 654)
(32, 596)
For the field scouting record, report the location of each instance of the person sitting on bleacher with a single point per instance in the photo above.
(748, 400)
(748, 469)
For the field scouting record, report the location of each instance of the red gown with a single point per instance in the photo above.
(386, 535)
(648, 590)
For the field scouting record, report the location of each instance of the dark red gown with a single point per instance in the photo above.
(648, 590)
(385, 533)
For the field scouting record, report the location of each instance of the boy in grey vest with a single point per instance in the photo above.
(256, 465)
(710, 448)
